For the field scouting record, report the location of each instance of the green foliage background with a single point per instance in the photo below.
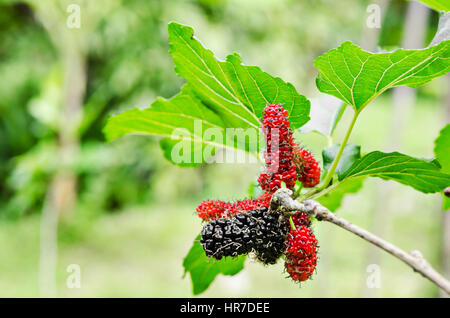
(134, 219)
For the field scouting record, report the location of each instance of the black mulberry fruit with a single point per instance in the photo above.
(255, 231)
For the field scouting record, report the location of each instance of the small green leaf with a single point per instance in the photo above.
(203, 270)
(332, 199)
(442, 149)
(422, 175)
(350, 154)
(442, 153)
(357, 77)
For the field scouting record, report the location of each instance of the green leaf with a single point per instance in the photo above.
(442, 153)
(332, 198)
(236, 92)
(218, 95)
(326, 112)
(182, 119)
(184, 152)
(422, 175)
(442, 149)
(357, 77)
(438, 5)
(203, 270)
(350, 154)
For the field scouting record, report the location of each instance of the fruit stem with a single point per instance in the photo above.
(297, 191)
(292, 223)
(335, 163)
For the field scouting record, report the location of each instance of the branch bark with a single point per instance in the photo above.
(281, 200)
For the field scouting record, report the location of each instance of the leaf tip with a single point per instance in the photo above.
(175, 27)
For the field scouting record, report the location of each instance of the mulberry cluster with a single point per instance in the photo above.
(245, 226)
(301, 251)
(215, 209)
(279, 150)
(255, 231)
(308, 170)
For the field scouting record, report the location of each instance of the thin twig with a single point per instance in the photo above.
(282, 200)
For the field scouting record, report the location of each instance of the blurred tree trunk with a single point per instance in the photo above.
(446, 214)
(61, 194)
(62, 190)
(403, 99)
(69, 143)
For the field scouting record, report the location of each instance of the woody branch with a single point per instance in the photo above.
(282, 200)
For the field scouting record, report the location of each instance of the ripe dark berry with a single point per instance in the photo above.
(255, 231)
(301, 253)
(272, 237)
(308, 170)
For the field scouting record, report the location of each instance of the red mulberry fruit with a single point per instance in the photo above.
(279, 150)
(301, 253)
(301, 269)
(301, 219)
(215, 209)
(308, 170)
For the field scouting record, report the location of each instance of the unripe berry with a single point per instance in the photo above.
(301, 269)
(301, 219)
(307, 167)
(215, 209)
(301, 253)
(279, 152)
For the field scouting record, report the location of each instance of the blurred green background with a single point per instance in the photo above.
(126, 215)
